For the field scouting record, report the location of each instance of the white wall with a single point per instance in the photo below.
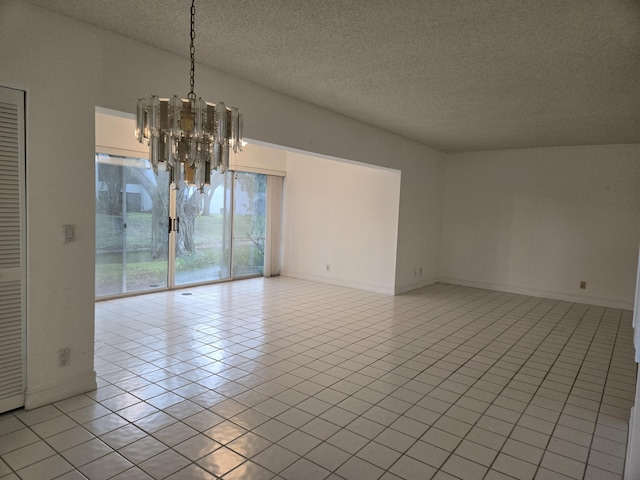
(42, 58)
(539, 221)
(343, 215)
(68, 68)
(132, 70)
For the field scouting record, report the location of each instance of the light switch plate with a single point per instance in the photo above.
(69, 233)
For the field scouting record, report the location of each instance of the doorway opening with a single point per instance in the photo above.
(153, 234)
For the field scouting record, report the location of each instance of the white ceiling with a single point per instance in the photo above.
(458, 75)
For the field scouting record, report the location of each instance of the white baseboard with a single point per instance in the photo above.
(369, 287)
(45, 394)
(534, 292)
(401, 289)
(631, 466)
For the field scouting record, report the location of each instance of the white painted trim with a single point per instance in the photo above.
(237, 167)
(116, 113)
(54, 392)
(636, 314)
(632, 461)
(119, 152)
(534, 292)
(402, 289)
(369, 287)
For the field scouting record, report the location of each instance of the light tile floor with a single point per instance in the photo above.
(288, 379)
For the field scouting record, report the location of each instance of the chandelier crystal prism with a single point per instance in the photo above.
(190, 137)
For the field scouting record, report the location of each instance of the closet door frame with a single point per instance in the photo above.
(13, 283)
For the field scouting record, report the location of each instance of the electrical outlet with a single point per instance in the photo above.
(328, 268)
(65, 356)
(420, 271)
(583, 285)
(415, 272)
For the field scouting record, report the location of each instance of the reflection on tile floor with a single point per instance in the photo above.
(287, 379)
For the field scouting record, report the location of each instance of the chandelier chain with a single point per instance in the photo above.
(192, 95)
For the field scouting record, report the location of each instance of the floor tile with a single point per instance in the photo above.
(53, 426)
(409, 468)
(246, 470)
(27, 455)
(203, 420)
(395, 440)
(304, 469)
(123, 436)
(104, 424)
(523, 451)
(514, 467)
(164, 464)
(106, 467)
(356, 468)
(155, 422)
(17, 439)
(275, 458)
(348, 441)
(464, 468)
(328, 456)
(273, 430)
(476, 453)
(563, 465)
(606, 462)
(225, 432)
(69, 438)
(378, 455)
(284, 379)
(429, 454)
(46, 469)
(299, 442)
(37, 415)
(143, 449)
(175, 433)
(87, 452)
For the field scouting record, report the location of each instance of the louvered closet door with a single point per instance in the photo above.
(12, 311)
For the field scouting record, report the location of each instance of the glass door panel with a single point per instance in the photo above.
(203, 239)
(249, 223)
(219, 232)
(131, 225)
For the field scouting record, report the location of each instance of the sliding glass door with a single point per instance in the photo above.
(150, 234)
(203, 233)
(249, 223)
(132, 206)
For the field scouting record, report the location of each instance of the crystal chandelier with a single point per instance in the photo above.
(189, 135)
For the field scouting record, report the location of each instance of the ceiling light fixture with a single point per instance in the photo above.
(190, 136)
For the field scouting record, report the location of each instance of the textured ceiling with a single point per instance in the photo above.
(458, 75)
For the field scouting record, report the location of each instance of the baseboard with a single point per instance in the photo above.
(631, 460)
(369, 287)
(534, 292)
(45, 394)
(402, 289)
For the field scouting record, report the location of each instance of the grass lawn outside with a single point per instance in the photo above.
(143, 272)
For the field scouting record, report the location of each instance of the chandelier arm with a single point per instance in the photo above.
(192, 51)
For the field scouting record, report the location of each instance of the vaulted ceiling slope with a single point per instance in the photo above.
(458, 75)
